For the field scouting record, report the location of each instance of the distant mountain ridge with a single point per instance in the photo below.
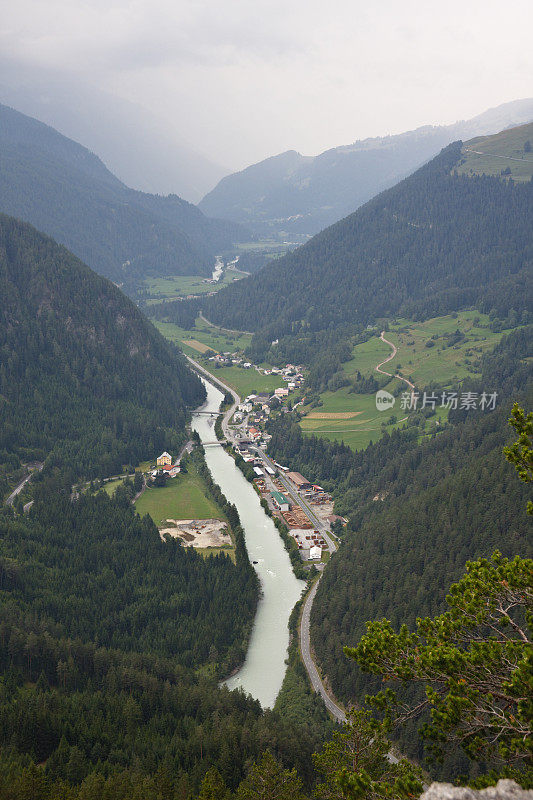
(434, 243)
(66, 191)
(299, 194)
(146, 151)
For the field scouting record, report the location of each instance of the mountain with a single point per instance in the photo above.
(65, 190)
(508, 153)
(418, 509)
(85, 380)
(292, 193)
(146, 151)
(434, 243)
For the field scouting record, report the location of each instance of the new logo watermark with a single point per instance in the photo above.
(384, 400)
(413, 401)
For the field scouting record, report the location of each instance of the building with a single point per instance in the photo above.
(164, 458)
(315, 553)
(254, 433)
(298, 480)
(280, 501)
(281, 391)
(259, 472)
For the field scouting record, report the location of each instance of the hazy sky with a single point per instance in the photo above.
(242, 80)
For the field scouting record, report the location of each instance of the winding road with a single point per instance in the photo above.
(389, 358)
(37, 466)
(307, 658)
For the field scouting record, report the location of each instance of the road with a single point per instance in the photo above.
(305, 648)
(224, 330)
(495, 155)
(300, 501)
(17, 490)
(389, 358)
(225, 388)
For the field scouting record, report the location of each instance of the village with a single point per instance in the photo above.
(290, 498)
(305, 508)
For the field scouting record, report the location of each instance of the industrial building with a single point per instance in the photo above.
(299, 481)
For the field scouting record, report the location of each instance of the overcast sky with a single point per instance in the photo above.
(244, 79)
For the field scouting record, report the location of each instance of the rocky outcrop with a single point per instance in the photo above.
(504, 790)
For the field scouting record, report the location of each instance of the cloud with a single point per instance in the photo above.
(244, 80)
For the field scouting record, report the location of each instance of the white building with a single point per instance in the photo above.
(315, 553)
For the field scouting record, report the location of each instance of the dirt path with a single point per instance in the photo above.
(389, 358)
(224, 330)
(495, 155)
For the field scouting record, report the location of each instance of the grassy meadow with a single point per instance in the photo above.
(174, 286)
(354, 419)
(502, 151)
(183, 497)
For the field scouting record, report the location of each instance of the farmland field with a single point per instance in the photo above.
(203, 334)
(182, 498)
(456, 344)
(174, 286)
(246, 381)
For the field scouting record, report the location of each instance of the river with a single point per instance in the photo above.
(264, 668)
(219, 269)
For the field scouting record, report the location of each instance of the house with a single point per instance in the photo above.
(167, 468)
(315, 552)
(281, 391)
(254, 433)
(280, 501)
(298, 480)
(164, 458)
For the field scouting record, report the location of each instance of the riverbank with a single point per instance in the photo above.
(265, 664)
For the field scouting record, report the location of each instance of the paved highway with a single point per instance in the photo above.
(37, 466)
(305, 647)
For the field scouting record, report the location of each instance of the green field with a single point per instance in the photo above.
(174, 286)
(182, 498)
(443, 363)
(358, 431)
(365, 356)
(110, 486)
(207, 335)
(499, 152)
(245, 381)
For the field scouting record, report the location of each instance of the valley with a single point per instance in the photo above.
(257, 454)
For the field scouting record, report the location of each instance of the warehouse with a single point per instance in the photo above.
(280, 501)
(298, 480)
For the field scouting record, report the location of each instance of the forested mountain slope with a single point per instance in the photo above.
(417, 513)
(107, 636)
(65, 190)
(294, 193)
(434, 243)
(85, 379)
